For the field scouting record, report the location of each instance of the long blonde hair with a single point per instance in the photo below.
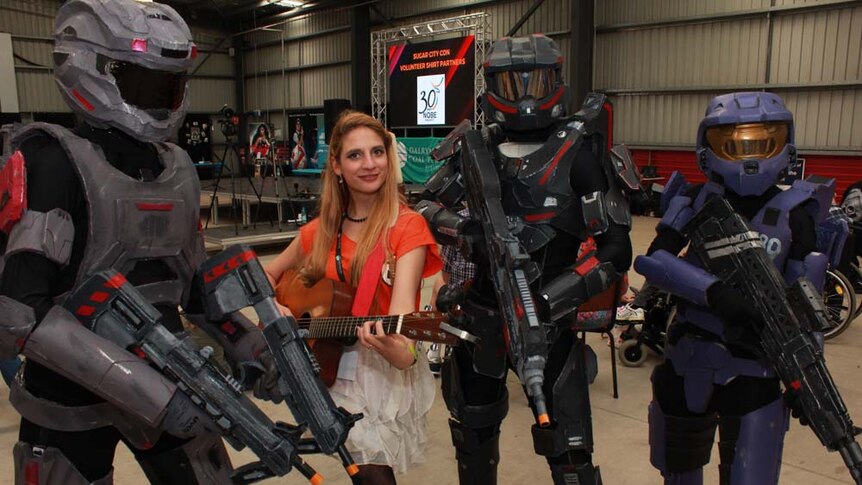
(335, 197)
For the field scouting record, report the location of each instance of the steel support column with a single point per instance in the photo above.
(580, 66)
(360, 56)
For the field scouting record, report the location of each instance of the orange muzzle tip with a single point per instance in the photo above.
(544, 420)
(352, 469)
(317, 479)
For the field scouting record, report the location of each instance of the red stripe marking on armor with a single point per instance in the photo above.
(230, 265)
(539, 217)
(500, 106)
(116, 281)
(85, 310)
(147, 206)
(562, 151)
(796, 385)
(139, 352)
(228, 328)
(587, 265)
(31, 473)
(519, 309)
(609, 108)
(86, 104)
(553, 100)
(99, 296)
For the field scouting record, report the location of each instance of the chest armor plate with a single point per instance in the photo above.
(133, 222)
(536, 187)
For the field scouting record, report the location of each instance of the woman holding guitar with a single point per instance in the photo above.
(366, 236)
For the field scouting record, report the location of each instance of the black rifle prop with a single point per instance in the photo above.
(511, 270)
(729, 249)
(111, 307)
(234, 279)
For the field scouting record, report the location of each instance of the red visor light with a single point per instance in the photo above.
(139, 45)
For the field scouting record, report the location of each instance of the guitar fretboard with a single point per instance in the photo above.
(344, 327)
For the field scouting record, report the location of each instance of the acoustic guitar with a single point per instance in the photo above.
(324, 311)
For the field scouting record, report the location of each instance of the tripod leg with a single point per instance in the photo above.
(213, 210)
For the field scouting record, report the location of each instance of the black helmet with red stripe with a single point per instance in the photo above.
(524, 83)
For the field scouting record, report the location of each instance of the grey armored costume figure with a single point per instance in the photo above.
(537, 183)
(110, 195)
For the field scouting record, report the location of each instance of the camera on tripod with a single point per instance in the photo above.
(229, 121)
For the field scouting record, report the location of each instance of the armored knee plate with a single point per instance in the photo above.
(751, 445)
(201, 461)
(571, 427)
(583, 474)
(477, 455)
(48, 466)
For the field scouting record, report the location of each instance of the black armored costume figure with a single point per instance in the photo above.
(537, 184)
(110, 195)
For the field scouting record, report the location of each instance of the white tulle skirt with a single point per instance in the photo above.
(395, 404)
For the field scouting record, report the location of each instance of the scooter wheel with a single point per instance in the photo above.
(632, 353)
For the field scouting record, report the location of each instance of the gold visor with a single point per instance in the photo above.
(746, 141)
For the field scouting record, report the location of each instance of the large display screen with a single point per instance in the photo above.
(431, 83)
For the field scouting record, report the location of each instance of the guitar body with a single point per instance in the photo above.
(327, 298)
(325, 311)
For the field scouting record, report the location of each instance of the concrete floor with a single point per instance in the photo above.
(620, 427)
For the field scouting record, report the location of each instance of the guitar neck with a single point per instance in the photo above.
(345, 327)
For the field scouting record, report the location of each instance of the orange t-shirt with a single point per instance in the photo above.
(410, 232)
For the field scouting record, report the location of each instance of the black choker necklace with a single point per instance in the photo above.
(351, 219)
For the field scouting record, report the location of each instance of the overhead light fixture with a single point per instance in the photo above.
(290, 3)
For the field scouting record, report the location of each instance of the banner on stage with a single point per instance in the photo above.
(418, 165)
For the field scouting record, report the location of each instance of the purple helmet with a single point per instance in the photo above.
(524, 83)
(122, 64)
(745, 141)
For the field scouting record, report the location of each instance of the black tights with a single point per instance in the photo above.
(374, 475)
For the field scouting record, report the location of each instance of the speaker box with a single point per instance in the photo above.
(332, 109)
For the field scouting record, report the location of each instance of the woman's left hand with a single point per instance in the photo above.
(395, 348)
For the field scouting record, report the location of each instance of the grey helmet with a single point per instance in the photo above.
(122, 64)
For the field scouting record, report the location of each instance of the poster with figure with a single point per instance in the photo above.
(306, 138)
(260, 140)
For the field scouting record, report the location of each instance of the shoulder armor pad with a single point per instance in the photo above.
(676, 185)
(47, 233)
(592, 107)
(449, 146)
(624, 169)
(34, 129)
(822, 191)
(13, 191)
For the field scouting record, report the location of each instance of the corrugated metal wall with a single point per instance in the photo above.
(298, 64)
(31, 23)
(661, 60)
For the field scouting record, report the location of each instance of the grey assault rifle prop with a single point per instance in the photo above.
(111, 307)
(729, 249)
(511, 270)
(234, 279)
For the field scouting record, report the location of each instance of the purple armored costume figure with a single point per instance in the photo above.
(714, 374)
(110, 195)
